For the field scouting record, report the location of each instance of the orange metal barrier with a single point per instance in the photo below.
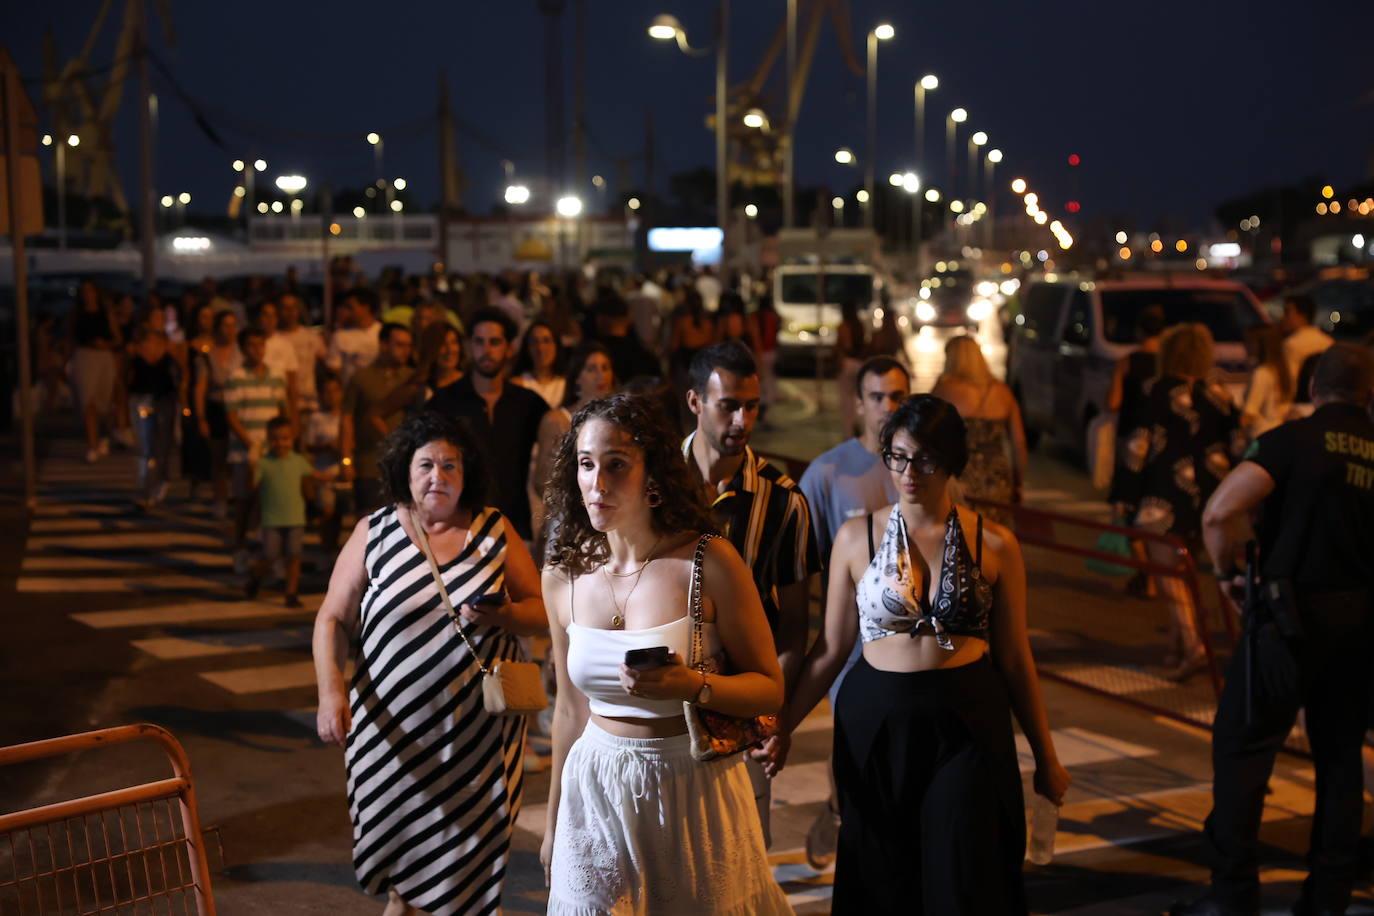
(129, 850)
(1039, 528)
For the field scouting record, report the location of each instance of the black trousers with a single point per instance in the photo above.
(1333, 687)
(931, 817)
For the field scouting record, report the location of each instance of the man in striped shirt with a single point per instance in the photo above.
(758, 507)
(252, 397)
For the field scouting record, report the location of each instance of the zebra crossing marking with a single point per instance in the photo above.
(263, 678)
(194, 612)
(75, 563)
(231, 642)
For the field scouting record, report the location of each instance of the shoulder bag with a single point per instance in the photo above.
(716, 734)
(509, 688)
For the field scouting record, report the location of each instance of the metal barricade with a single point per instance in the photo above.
(1055, 531)
(132, 850)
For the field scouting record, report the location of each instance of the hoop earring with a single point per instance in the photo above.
(653, 497)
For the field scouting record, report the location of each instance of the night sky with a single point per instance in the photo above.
(1172, 105)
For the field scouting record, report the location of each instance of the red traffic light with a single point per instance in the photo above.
(1072, 206)
(1073, 159)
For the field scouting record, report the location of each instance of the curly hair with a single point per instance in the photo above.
(576, 547)
(418, 429)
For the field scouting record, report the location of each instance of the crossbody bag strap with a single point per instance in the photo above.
(694, 601)
(443, 589)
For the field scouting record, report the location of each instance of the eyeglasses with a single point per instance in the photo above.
(924, 465)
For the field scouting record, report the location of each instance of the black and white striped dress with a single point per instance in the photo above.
(433, 780)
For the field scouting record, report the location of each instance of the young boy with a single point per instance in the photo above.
(252, 397)
(284, 480)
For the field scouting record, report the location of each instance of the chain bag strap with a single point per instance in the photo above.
(716, 734)
(509, 688)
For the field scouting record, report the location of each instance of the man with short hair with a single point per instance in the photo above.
(362, 429)
(253, 396)
(503, 416)
(280, 356)
(309, 348)
(1308, 639)
(759, 509)
(1302, 338)
(357, 339)
(847, 481)
(615, 331)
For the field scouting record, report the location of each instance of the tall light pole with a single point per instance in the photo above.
(976, 141)
(952, 121)
(789, 204)
(879, 33)
(664, 28)
(925, 84)
(60, 157)
(994, 157)
(375, 139)
(291, 185)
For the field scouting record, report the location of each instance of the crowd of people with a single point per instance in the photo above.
(572, 462)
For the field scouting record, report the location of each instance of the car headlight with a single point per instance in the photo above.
(925, 311)
(979, 310)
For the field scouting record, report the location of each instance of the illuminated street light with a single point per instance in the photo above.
(184, 198)
(260, 165)
(396, 206)
(262, 206)
(291, 184)
(569, 206)
(47, 139)
(1180, 246)
(911, 183)
(837, 203)
(359, 212)
(979, 138)
(239, 191)
(399, 184)
(1121, 237)
(276, 206)
(1328, 192)
(994, 156)
(930, 81)
(1156, 246)
(958, 115)
(633, 203)
(755, 118)
(1032, 199)
(665, 27)
(751, 210)
(895, 179)
(1357, 240)
(374, 138)
(933, 195)
(1041, 218)
(862, 196)
(956, 206)
(1124, 253)
(1018, 185)
(73, 140)
(168, 200)
(238, 165)
(517, 194)
(884, 32)
(844, 156)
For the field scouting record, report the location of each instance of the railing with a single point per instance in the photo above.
(127, 850)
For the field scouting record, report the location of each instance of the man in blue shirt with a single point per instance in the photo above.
(847, 481)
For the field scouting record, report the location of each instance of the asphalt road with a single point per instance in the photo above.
(115, 618)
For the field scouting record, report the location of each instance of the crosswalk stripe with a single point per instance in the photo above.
(119, 584)
(194, 612)
(264, 678)
(127, 539)
(224, 643)
(77, 563)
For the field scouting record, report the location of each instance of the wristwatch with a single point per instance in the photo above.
(704, 694)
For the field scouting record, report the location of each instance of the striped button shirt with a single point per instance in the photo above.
(764, 514)
(256, 399)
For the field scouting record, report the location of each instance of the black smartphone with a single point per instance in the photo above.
(491, 599)
(652, 657)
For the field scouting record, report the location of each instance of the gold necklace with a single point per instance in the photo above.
(618, 618)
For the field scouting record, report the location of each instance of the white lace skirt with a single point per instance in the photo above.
(645, 829)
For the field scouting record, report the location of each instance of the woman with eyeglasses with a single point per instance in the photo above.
(931, 816)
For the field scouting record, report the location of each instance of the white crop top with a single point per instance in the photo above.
(595, 656)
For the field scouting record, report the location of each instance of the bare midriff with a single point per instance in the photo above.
(901, 653)
(624, 727)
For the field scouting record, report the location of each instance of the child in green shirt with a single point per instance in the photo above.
(284, 479)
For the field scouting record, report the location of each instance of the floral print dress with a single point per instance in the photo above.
(1179, 447)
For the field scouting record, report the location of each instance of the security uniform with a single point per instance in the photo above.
(1317, 531)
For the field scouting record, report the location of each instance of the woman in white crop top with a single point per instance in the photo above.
(635, 824)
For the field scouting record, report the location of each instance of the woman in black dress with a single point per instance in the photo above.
(1177, 449)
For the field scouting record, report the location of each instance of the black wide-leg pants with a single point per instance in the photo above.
(931, 812)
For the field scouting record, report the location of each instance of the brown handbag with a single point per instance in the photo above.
(716, 734)
(509, 688)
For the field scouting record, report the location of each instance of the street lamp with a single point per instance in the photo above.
(60, 162)
(248, 171)
(952, 121)
(925, 84)
(1018, 186)
(755, 118)
(751, 211)
(932, 195)
(845, 156)
(517, 194)
(183, 199)
(665, 27)
(291, 185)
(882, 32)
(994, 157)
(975, 142)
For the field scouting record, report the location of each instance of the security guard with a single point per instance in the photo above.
(1310, 636)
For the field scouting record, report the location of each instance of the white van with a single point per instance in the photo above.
(806, 319)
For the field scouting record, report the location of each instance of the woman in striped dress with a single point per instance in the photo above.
(433, 780)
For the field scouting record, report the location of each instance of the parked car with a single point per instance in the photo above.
(1066, 340)
(807, 329)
